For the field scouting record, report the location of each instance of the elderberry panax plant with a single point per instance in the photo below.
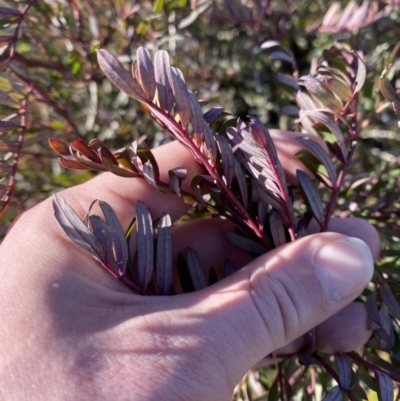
(327, 75)
(242, 181)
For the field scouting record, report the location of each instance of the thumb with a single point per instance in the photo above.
(279, 297)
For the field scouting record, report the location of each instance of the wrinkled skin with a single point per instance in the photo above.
(70, 331)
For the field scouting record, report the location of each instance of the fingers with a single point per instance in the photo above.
(353, 227)
(345, 331)
(279, 296)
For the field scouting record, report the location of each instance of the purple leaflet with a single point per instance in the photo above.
(120, 248)
(76, 230)
(164, 256)
(144, 226)
(145, 72)
(196, 272)
(181, 96)
(334, 394)
(163, 80)
(344, 371)
(386, 388)
(311, 197)
(120, 77)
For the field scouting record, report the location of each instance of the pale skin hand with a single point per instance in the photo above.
(70, 331)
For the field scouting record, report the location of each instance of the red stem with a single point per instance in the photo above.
(185, 139)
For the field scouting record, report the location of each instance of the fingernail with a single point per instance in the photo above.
(345, 267)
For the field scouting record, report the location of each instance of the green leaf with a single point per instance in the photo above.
(322, 156)
(158, 6)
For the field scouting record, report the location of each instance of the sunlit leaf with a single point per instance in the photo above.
(145, 72)
(181, 97)
(164, 256)
(162, 70)
(322, 156)
(311, 197)
(361, 74)
(228, 160)
(118, 237)
(59, 147)
(144, 227)
(119, 76)
(74, 227)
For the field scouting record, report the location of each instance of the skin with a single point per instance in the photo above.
(70, 331)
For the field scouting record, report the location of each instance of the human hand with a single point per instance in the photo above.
(71, 331)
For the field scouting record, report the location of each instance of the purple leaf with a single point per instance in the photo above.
(196, 272)
(277, 228)
(76, 230)
(228, 268)
(246, 243)
(334, 394)
(241, 179)
(103, 234)
(386, 388)
(210, 143)
(319, 91)
(322, 156)
(6, 12)
(181, 97)
(120, 77)
(148, 173)
(228, 159)
(144, 228)
(212, 114)
(197, 119)
(373, 311)
(344, 371)
(145, 72)
(164, 256)
(163, 80)
(390, 300)
(176, 175)
(120, 248)
(280, 55)
(311, 197)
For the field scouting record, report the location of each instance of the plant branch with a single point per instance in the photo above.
(334, 375)
(46, 98)
(183, 136)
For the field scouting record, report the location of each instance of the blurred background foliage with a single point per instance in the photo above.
(50, 46)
